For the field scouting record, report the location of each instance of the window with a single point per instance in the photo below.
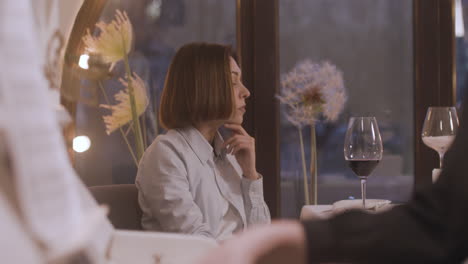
(370, 41)
(160, 28)
(461, 49)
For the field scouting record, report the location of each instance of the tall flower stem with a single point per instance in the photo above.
(313, 163)
(120, 127)
(304, 170)
(136, 121)
(156, 126)
(156, 116)
(145, 144)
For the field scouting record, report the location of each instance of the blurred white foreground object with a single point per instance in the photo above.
(16, 246)
(61, 114)
(150, 247)
(55, 218)
(56, 209)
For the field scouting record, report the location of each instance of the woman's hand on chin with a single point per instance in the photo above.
(242, 146)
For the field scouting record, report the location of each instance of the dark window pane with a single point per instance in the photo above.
(160, 28)
(370, 41)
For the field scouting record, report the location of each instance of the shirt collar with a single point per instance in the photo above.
(201, 146)
(218, 145)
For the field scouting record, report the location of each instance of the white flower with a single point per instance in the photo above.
(114, 40)
(122, 112)
(310, 89)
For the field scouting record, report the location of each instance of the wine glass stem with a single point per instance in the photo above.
(363, 191)
(441, 159)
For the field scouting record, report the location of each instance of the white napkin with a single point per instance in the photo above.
(371, 205)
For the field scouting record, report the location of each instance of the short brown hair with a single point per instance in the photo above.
(198, 86)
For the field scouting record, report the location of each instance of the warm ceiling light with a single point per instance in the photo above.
(459, 26)
(81, 144)
(83, 62)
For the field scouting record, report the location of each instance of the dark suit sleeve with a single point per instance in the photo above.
(431, 228)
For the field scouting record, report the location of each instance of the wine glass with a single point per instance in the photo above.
(439, 129)
(363, 148)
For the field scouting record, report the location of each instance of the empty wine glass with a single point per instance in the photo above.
(439, 129)
(363, 148)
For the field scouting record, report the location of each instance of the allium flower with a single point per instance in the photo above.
(114, 40)
(310, 89)
(122, 112)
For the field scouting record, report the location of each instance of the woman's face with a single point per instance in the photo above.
(240, 94)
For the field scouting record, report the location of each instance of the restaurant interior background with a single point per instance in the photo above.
(385, 48)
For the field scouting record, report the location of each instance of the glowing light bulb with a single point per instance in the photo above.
(83, 62)
(81, 144)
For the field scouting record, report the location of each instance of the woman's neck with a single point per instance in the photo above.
(208, 130)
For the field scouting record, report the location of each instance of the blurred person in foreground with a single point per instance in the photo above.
(430, 228)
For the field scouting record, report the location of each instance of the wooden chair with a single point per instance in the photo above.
(122, 199)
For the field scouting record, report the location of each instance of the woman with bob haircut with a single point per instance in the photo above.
(190, 179)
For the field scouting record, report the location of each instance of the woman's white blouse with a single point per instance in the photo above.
(186, 186)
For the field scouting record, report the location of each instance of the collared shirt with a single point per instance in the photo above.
(186, 186)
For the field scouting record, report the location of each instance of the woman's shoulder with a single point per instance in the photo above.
(165, 153)
(168, 147)
(172, 139)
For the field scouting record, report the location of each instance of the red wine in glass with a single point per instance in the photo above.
(363, 148)
(363, 168)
